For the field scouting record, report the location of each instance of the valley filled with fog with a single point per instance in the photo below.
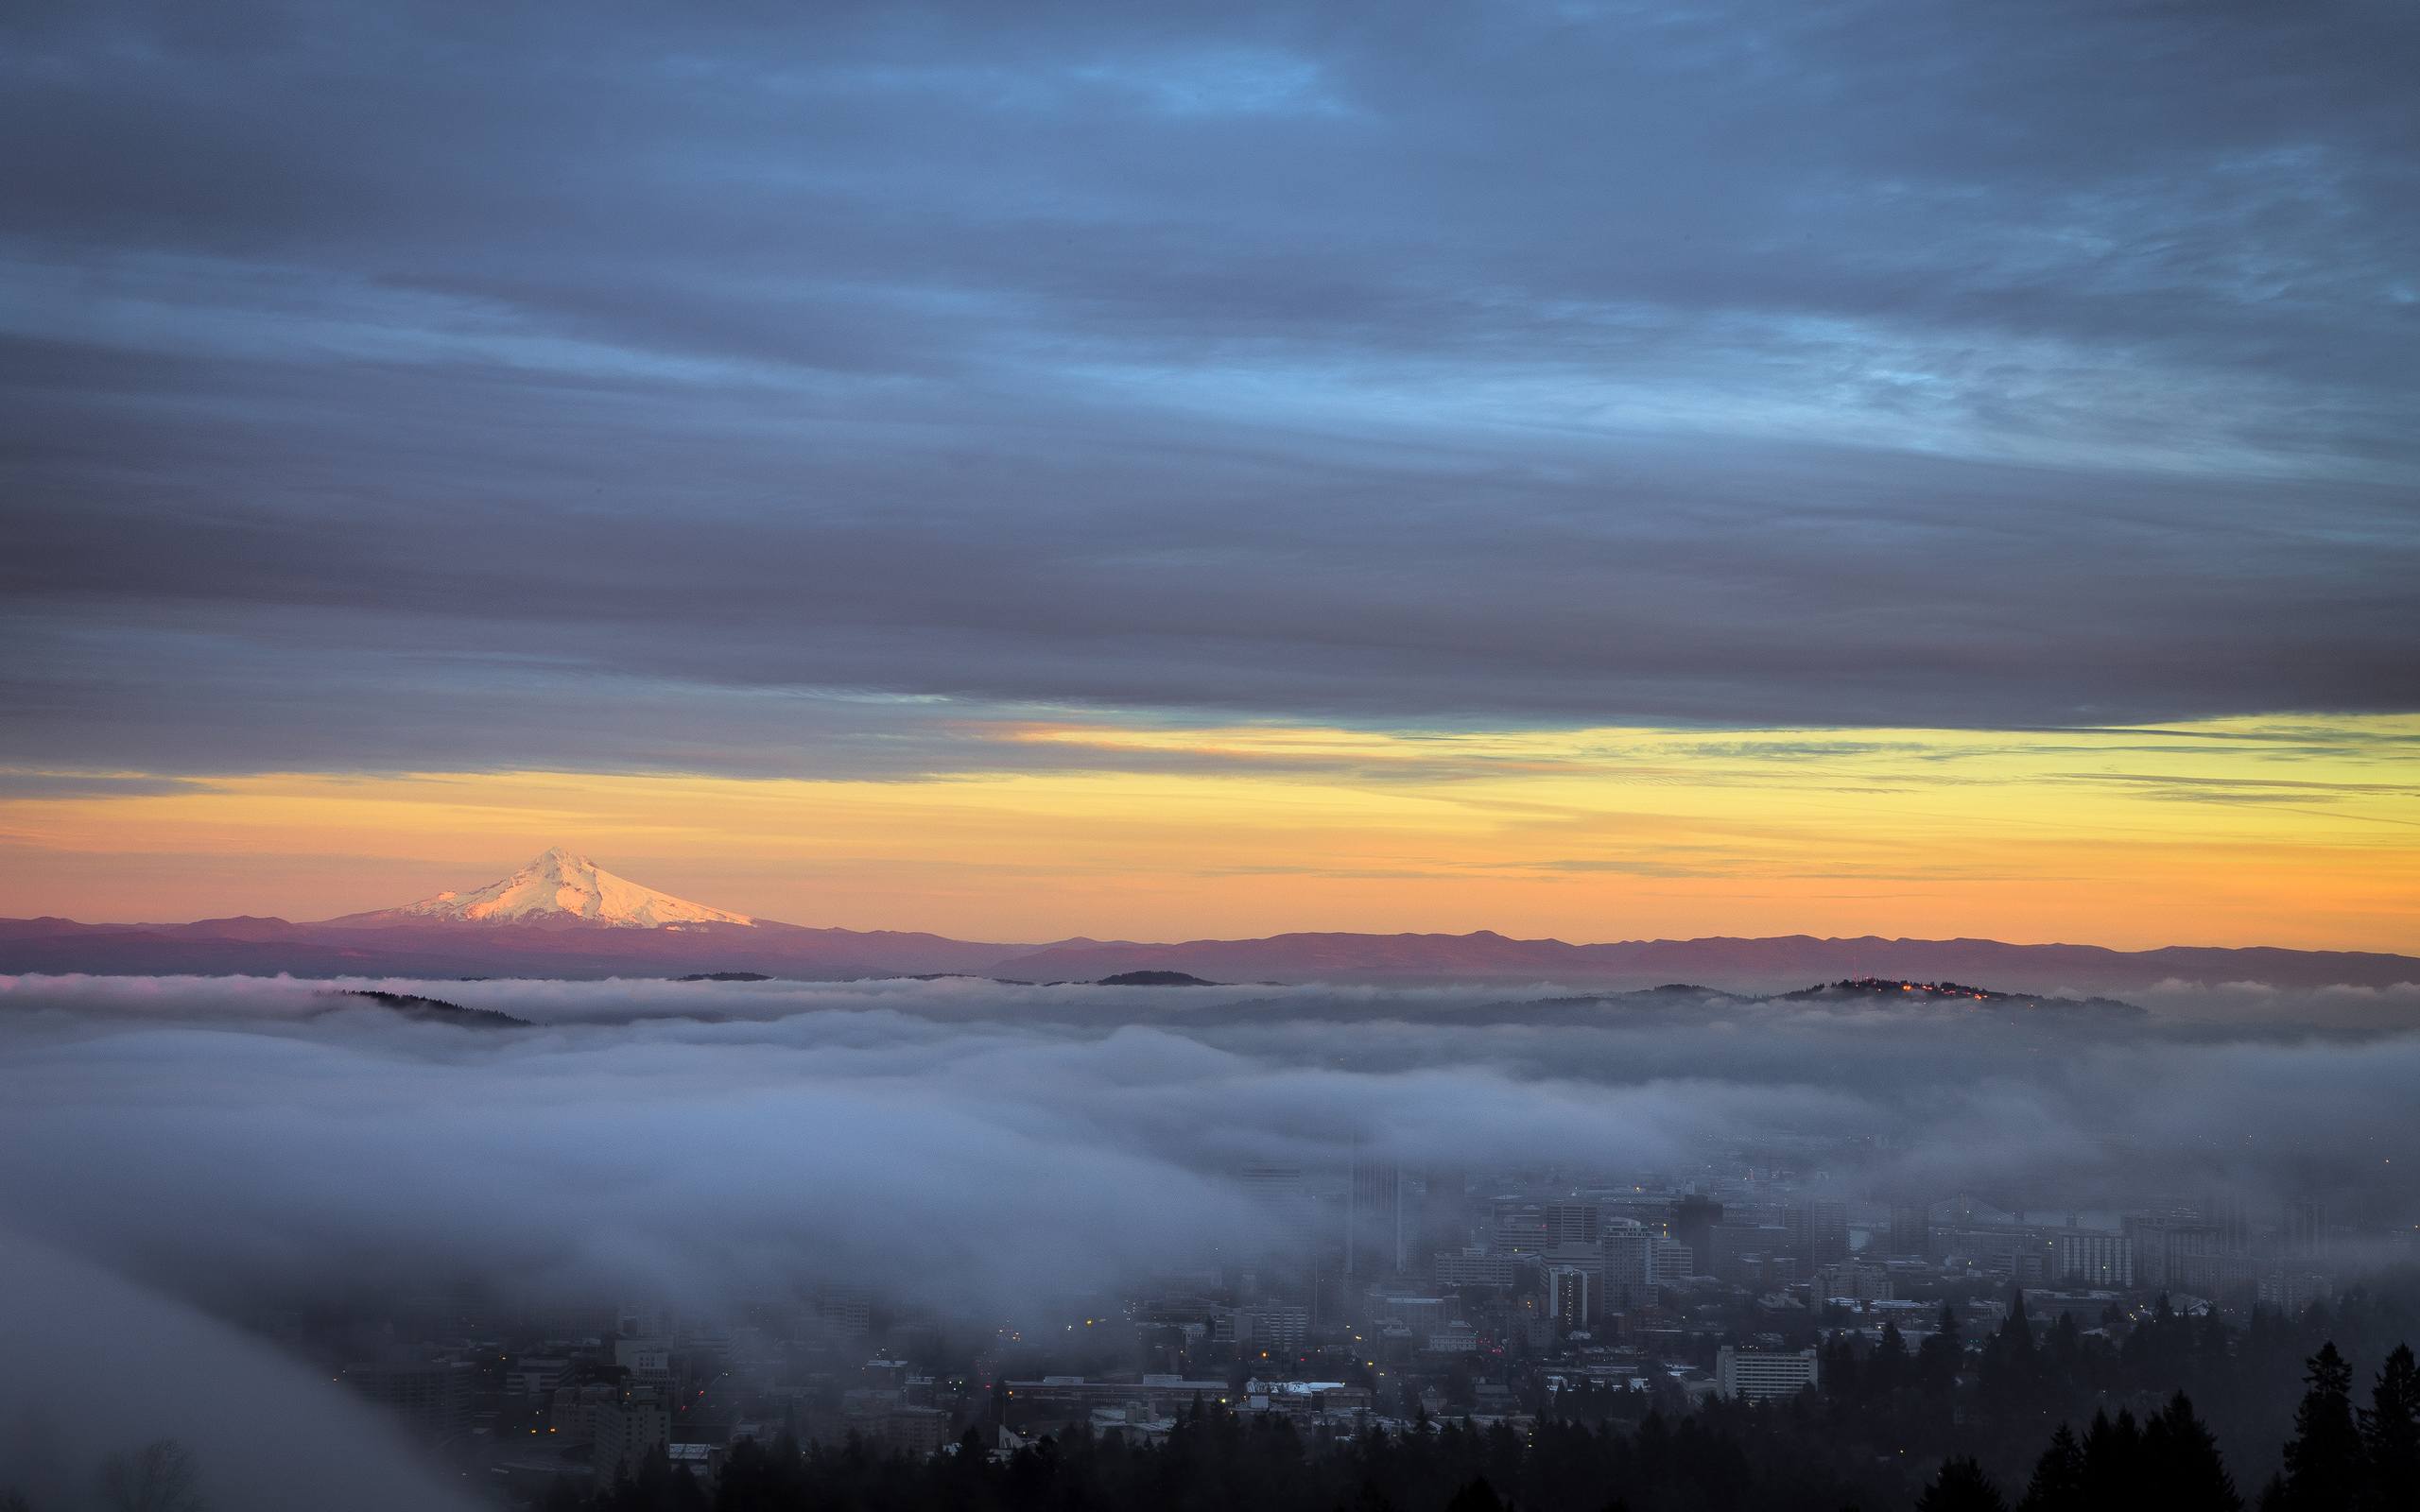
(242, 1153)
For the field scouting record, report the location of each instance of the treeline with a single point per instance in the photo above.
(1998, 1399)
(2341, 1457)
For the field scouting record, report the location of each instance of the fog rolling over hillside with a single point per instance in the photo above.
(987, 1165)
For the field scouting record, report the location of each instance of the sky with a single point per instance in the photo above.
(1602, 471)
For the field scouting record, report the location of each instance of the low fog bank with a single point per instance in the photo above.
(267, 1435)
(228, 1138)
(257, 1147)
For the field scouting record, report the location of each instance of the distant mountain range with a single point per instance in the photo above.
(562, 916)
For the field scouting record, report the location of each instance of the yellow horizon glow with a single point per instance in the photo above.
(2285, 830)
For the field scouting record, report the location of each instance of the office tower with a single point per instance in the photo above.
(1846, 1281)
(2092, 1257)
(2306, 1228)
(1276, 1187)
(1753, 1374)
(1819, 1232)
(1739, 1252)
(1629, 1253)
(1693, 1216)
(627, 1429)
(1572, 1223)
(1571, 1295)
(2227, 1212)
(1279, 1192)
(433, 1396)
(1376, 1241)
(1669, 1261)
(1471, 1267)
(1444, 1208)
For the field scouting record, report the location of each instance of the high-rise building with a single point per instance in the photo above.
(2306, 1228)
(1444, 1207)
(627, 1431)
(1271, 1186)
(1269, 1327)
(1853, 1282)
(841, 1313)
(1279, 1192)
(1573, 1223)
(1572, 1295)
(2093, 1257)
(1629, 1253)
(1473, 1267)
(1418, 1313)
(1819, 1232)
(1377, 1239)
(1753, 1374)
(1692, 1217)
(2291, 1290)
(1738, 1251)
(2231, 1217)
(433, 1396)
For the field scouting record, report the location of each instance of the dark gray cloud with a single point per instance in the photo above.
(419, 385)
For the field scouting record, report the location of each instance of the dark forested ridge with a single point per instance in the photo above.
(436, 1010)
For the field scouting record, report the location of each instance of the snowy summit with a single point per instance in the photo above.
(561, 887)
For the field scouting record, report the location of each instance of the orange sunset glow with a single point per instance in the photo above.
(2129, 837)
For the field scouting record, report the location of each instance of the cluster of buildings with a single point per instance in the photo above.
(1368, 1298)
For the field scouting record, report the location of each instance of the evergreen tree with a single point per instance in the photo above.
(2182, 1463)
(1476, 1497)
(2391, 1434)
(2113, 1461)
(1887, 1371)
(2058, 1476)
(2008, 1372)
(1960, 1486)
(2324, 1459)
(1937, 1359)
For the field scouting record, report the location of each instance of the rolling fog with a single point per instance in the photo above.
(177, 1150)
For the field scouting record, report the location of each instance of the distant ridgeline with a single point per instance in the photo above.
(1144, 979)
(436, 1010)
(1950, 993)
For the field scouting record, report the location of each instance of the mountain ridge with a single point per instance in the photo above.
(561, 915)
(560, 886)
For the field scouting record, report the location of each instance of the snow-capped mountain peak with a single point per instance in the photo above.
(564, 886)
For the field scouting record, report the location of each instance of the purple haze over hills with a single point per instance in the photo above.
(247, 946)
(563, 916)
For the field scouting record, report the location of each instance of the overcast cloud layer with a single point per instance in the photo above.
(440, 386)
